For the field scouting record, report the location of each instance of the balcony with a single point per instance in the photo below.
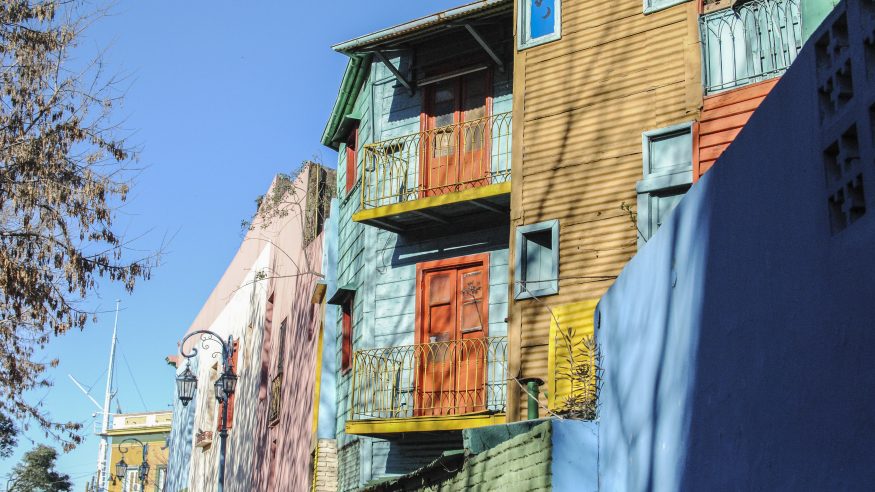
(749, 42)
(434, 386)
(438, 176)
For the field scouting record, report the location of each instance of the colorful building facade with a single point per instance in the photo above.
(263, 301)
(128, 435)
(423, 127)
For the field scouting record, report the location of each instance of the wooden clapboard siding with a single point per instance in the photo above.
(580, 106)
(723, 116)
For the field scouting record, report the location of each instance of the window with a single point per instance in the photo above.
(538, 22)
(657, 5)
(346, 342)
(275, 404)
(160, 478)
(132, 481)
(668, 174)
(281, 353)
(352, 142)
(537, 260)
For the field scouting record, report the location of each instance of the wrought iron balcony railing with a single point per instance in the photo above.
(749, 42)
(433, 162)
(431, 379)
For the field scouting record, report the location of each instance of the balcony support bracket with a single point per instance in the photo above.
(485, 47)
(431, 216)
(397, 73)
(489, 207)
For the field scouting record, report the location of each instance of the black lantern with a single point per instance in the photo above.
(121, 468)
(229, 382)
(225, 385)
(220, 390)
(143, 471)
(186, 385)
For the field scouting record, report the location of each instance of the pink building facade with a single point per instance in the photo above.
(265, 301)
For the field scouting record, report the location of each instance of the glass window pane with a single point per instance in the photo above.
(542, 18)
(538, 260)
(671, 151)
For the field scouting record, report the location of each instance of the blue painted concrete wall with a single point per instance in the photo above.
(181, 440)
(738, 343)
(575, 458)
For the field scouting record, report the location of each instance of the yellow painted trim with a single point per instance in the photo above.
(422, 424)
(135, 431)
(432, 201)
(317, 386)
(578, 316)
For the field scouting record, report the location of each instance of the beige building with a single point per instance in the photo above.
(152, 430)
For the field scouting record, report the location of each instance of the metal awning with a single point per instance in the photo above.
(392, 36)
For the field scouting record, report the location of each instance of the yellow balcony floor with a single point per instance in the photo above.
(377, 427)
(491, 201)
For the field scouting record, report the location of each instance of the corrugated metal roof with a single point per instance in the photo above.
(421, 24)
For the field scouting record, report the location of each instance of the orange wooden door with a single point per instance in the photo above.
(474, 131)
(442, 146)
(451, 353)
(458, 132)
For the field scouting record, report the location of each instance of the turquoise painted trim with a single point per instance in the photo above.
(651, 6)
(520, 251)
(523, 14)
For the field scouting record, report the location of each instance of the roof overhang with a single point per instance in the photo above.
(362, 49)
(389, 37)
(341, 295)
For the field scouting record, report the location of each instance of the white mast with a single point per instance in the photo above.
(102, 475)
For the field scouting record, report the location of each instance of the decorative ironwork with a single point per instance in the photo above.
(750, 42)
(432, 162)
(275, 405)
(441, 378)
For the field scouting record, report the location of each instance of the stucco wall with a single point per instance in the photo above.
(738, 342)
(180, 442)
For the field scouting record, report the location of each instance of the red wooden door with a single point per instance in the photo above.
(451, 350)
(456, 149)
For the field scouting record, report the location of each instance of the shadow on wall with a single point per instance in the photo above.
(242, 457)
(738, 342)
(180, 441)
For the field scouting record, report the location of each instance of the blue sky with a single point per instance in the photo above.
(222, 95)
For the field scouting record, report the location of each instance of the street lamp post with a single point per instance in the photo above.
(121, 468)
(186, 384)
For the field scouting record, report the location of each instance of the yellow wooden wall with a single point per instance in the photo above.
(580, 106)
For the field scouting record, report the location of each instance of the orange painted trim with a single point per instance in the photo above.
(448, 264)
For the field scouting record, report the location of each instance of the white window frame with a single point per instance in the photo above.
(521, 232)
(132, 480)
(524, 12)
(651, 6)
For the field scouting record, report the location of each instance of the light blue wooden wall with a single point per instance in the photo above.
(381, 267)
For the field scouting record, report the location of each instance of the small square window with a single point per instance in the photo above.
(651, 6)
(537, 260)
(668, 174)
(538, 22)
